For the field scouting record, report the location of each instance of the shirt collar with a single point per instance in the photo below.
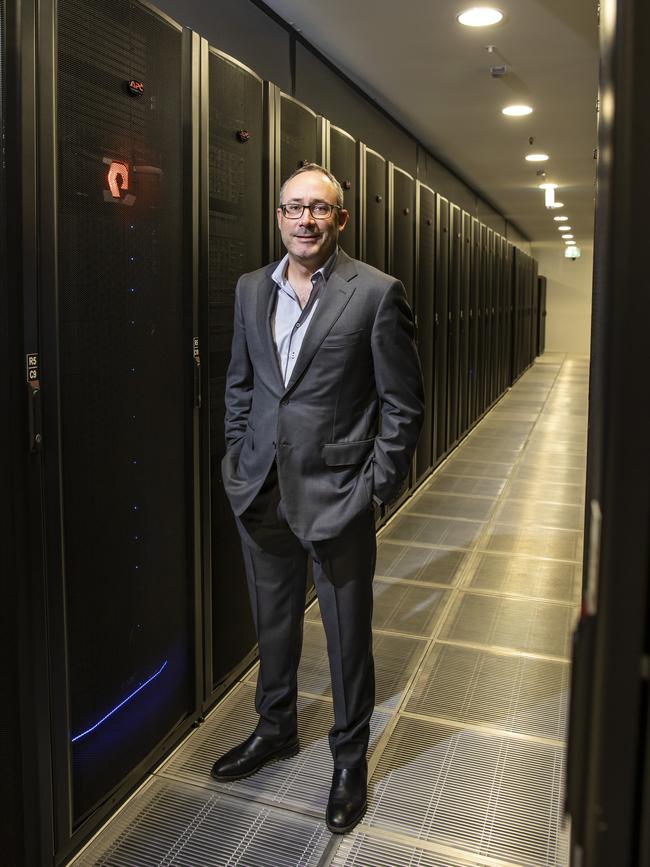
(279, 275)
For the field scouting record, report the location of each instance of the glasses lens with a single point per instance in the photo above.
(293, 210)
(321, 209)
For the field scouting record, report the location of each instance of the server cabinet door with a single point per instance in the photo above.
(534, 308)
(424, 313)
(475, 265)
(481, 363)
(496, 312)
(542, 315)
(120, 327)
(503, 317)
(510, 324)
(374, 231)
(402, 229)
(453, 318)
(235, 233)
(299, 136)
(441, 327)
(489, 319)
(344, 157)
(464, 324)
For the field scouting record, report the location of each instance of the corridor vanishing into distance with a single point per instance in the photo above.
(476, 594)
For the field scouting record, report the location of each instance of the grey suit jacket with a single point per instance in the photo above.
(346, 425)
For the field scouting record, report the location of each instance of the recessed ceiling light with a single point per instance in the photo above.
(564, 228)
(557, 205)
(560, 219)
(536, 158)
(568, 239)
(546, 186)
(480, 16)
(517, 110)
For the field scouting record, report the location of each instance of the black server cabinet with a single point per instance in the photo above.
(510, 311)
(541, 321)
(453, 319)
(489, 320)
(425, 211)
(401, 253)
(481, 355)
(295, 136)
(475, 266)
(503, 318)
(373, 230)
(496, 315)
(534, 308)
(344, 165)
(440, 330)
(109, 337)
(233, 161)
(464, 323)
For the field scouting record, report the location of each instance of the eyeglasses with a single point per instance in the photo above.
(318, 210)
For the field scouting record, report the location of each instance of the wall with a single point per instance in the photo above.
(568, 301)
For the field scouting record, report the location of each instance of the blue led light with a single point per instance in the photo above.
(120, 705)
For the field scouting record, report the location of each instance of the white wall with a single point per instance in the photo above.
(568, 297)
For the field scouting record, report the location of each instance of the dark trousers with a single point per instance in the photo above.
(276, 566)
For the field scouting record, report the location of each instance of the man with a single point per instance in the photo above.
(324, 403)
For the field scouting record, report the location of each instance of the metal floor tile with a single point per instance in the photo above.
(170, 823)
(536, 541)
(402, 607)
(562, 475)
(518, 624)
(515, 693)
(396, 657)
(486, 794)
(558, 461)
(367, 850)
(447, 506)
(525, 576)
(302, 782)
(486, 454)
(433, 531)
(561, 515)
(549, 492)
(457, 467)
(435, 565)
(465, 485)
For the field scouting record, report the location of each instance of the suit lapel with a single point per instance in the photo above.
(265, 299)
(340, 288)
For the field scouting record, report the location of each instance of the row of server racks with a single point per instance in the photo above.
(140, 175)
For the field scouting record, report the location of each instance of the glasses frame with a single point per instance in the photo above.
(313, 204)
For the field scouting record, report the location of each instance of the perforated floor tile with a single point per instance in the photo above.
(549, 492)
(365, 850)
(526, 576)
(512, 692)
(435, 565)
(465, 485)
(301, 782)
(560, 515)
(536, 541)
(517, 624)
(484, 794)
(434, 531)
(450, 506)
(458, 467)
(403, 607)
(171, 823)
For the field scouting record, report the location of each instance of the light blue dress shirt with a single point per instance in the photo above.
(289, 323)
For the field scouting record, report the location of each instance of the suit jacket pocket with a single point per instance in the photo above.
(341, 340)
(347, 454)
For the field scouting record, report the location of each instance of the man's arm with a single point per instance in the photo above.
(239, 379)
(400, 389)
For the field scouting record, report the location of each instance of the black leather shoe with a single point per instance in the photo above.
(348, 799)
(250, 756)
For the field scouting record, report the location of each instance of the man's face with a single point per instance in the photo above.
(310, 241)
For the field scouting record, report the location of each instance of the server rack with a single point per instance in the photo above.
(541, 321)
(344, 165)
(482, 323)
(475, 272)
(373, 234)
(425, 216)
(464, 323)
(105, 270)
(453, 319)
(233, 234)
(441, 327)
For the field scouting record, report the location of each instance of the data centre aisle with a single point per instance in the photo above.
(476, 593)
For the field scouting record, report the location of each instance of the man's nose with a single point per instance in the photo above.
(307, 218)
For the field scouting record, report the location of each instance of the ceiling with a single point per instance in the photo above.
(433, 75)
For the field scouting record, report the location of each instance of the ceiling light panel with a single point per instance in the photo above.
(560, 219)
(536, 158)
(480, 16)
(517, 110)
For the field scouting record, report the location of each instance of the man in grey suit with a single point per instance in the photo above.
(324, 404)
